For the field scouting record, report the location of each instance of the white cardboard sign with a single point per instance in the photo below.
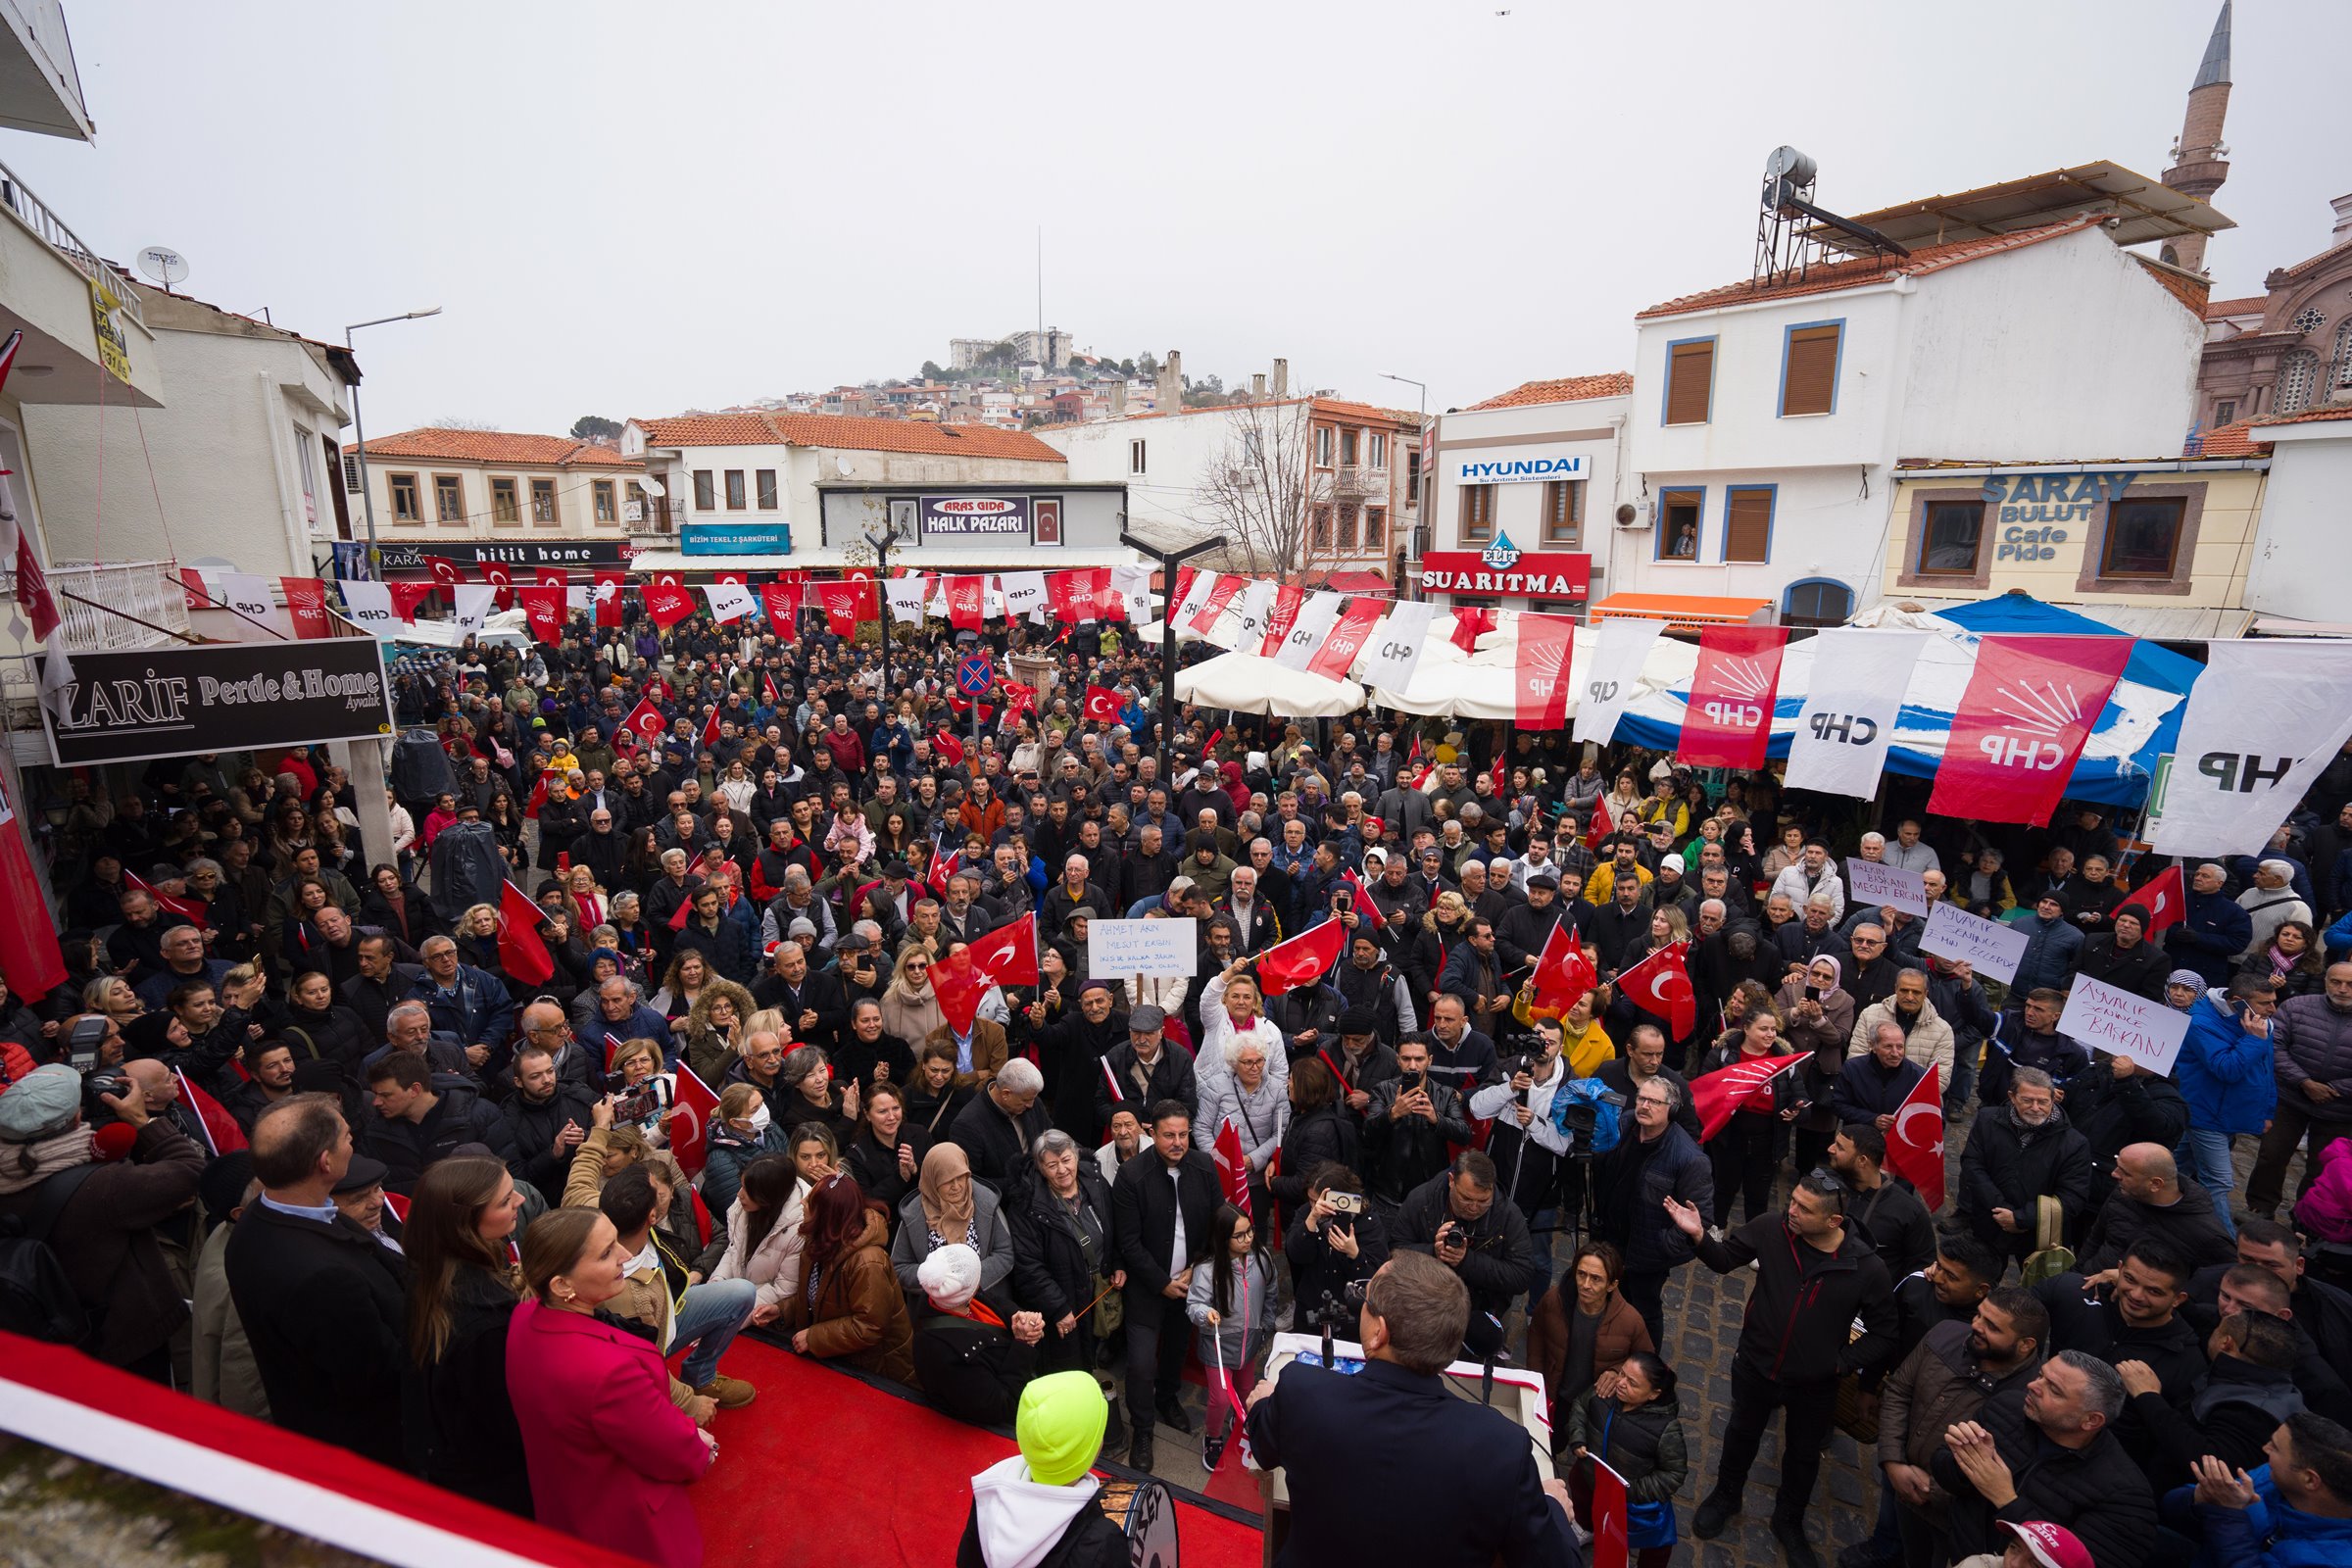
(1874, 882)
(1153, 949)
(2102, 1018)
(1986, 946)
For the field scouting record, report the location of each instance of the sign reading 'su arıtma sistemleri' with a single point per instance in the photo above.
(175, 702)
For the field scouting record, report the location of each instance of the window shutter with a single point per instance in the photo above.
(351, 474)
(1690, 384)
(1747, 534)
(1809, 383)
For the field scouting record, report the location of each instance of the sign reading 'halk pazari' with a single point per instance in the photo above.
(130, 708)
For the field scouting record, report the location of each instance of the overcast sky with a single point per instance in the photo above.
(633, 209)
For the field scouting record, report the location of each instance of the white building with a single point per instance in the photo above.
(1767, 419)
(1524, 496)
(2302, 553)
(475, 496)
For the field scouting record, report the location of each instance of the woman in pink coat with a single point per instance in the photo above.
(610, 1455)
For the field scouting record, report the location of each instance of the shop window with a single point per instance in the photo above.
(1951, 539)
(1689, 381)
(1679, 514)
(763, 482)
(1564, 512)
(736, 495)
(1809, 369)
(405, 507)
(2143, 537)
(543, 503)
(1477, 514)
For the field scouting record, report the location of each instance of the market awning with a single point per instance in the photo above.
(926, 558)
(1359, 582)
(1683, 611)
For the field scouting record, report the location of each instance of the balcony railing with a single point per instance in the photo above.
(36, 216)
(147, 588)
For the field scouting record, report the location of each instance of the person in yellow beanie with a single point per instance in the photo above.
(1037, 1509)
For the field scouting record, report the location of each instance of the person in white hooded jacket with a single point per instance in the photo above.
(763, 1234)
(1037, 1509)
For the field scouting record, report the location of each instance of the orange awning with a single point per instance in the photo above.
(1682, 611)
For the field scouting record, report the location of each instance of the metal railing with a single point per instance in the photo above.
(36, 216)
(147, 588)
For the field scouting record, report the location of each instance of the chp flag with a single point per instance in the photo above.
(1394, 651)
(1727, 720)
(1747, 1082)
(2263, 720)
(220, 1129)
(2031, 705)
(1847, 723)
(1915, 1141)
(1613, 679)
(1233, 1166)
(522, 952)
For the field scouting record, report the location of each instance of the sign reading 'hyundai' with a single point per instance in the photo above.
(1515, 465)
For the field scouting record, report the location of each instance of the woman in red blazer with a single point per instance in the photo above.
(610, 1455)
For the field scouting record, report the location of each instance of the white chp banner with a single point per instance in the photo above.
(729, 601)
(2263, 720)
(250, 597)
(474, 602)
(2100, 1018)
(1133, 586)
(1847, 723)
(1243, 625)
(1316, 618)
(1025, 592)
(1204, 584)
(1620, 648)
(1393, 650)
(369, 606)
(906, 597)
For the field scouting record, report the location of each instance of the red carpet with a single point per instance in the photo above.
(823, 1469)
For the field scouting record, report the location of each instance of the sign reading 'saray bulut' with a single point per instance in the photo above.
(175, 702)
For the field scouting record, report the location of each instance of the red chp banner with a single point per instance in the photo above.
(781, 602)
(2031, 705)
(1545, 644)
(305, 605)
(1220, 593)
(406, 596)
(1287, 597)
(965, 602)
(840, 602)
(1728, 720)
(1337, 654)
(543, 607)
(667, 603)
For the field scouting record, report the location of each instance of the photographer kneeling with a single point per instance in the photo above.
(1335, 1244)
(1454, 1218)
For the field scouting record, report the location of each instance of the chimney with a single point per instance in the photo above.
(1257, 388)
(1118, 397)
(1169, 393)
(2343, 220)
(1282, 378)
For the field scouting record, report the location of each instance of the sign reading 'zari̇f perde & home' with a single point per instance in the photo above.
(238, 697)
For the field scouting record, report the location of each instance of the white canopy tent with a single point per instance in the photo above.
(1245, 683)
(1486, 685)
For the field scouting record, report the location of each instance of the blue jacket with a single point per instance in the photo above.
(2213, 931)
(2223, 1072)
(2050, 956)
(478, 1009)
(2339, 935)
(2268, 1533)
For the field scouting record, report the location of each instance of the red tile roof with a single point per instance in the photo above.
(2251, 304)
(1565, 389)
(845, 432)
(2333, 411)
(1831, 277)
(2188, 290)
(2229, 441)
(1339, 409)
(495, 446)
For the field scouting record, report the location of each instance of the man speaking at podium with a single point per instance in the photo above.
(1387, 1466)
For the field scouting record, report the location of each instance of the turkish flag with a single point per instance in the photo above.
(30, 960)
(406, 596)
(1233, 1166)
(520, 951)
(943, 866)
(1301, 960)
(685, 909)
(782, 603)
(1917, 1156)
(220, 1129)
(1103, 704)
(710, 729)
(306, 606)
(1220, 593)
(1468, 621)
(501, 576)
(1544, 643)
(32, 588)
(693, 1108)
(1562, 971)
(671, 579)
(1346, 640)
(2031, 705)
(550, 577)
(1019, 699)
(1006, 957)
(543, 607)
(1601, 827)
(2165, 898)
(1727, 722)
(767, 687)
(1287, 597)
(607, 595)
(948, 746)
(1660, 986)
(963, 602)
(667, 603)
(185, 908)
(192, 589)
(840, 601)
(1611, 1547)
(645, 721)
(538, 794)
(1716, 1095)
(447, 573)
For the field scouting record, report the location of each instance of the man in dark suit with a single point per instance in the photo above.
(1162, 1207)
(1386, 1465)
(322, 1300)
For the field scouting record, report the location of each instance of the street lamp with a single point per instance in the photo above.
(375, 558)
(1168, 559)
(881, 547)
(1420, 491)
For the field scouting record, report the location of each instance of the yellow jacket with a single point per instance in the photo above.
(1601, 886)
(1589, 1050)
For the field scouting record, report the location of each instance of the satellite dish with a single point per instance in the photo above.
(841, 464)
(651, 486)
(163, 264)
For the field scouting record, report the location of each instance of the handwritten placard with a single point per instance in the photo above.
(1875, 882)
(1153, 949)
(1986, 946)
(2102, 1018)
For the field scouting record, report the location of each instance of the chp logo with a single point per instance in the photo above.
(2034, 716)
(1500, 555)
(1747, 684)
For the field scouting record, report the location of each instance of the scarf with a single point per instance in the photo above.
(942, 1164)
(61, 1151)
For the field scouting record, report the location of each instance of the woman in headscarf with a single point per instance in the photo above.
(948, 1209)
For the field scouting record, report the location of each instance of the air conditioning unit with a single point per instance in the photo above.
(1636, 514)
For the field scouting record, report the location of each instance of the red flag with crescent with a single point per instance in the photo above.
(693, 1108)
(607, 595)
(447, 573)
(1301, 960)
(1915, 1143)
(645, 721)
(1660, 986)
(2164, 897)
(1004, 958)
(1233, 1166)
(521, 950)
(1715, 1096)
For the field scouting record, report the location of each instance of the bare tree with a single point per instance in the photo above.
(1264, 494)
(460, 422)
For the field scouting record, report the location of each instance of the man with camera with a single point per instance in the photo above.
(1527, 1142)
(1409, 1123)
(1385, 1465)
(1454, 1218)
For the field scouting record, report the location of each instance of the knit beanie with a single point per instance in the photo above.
(1060, 1425)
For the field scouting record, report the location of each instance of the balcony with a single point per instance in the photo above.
(86, 595)
(47, 279)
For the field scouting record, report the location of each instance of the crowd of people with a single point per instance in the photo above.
(460, 1238)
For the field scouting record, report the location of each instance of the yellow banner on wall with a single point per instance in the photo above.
(114, 348)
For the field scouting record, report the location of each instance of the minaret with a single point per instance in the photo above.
(2199, 162)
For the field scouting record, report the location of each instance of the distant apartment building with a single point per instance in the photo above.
(475, 496)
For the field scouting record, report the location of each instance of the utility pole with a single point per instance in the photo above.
(359, 428)
(1169, 561)
(882, 546)
(1420, 489)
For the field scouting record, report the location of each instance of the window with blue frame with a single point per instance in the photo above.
(1679, 515)
(1809, 356)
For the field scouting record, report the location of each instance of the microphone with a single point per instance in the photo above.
(113, 1142)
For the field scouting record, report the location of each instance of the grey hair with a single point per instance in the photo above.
(1920, 975)
(795, 877)
(2030, 1078)
(410, 1005)
(1667, 1087)
(1879, 1033)
(1053, 1142)
(2103, 1385)
(1020, 1076)
(1237, 1044)
(680, 854)
(799, 1063)
(200, 865)
(435, 944)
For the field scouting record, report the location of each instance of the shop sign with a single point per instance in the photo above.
(1504, 568)
(2031, 510)
(735, 539)
(231, 697)
(401, 555)
(975, 518)
(1515, 465)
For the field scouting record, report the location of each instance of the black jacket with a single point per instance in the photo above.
(2096, 1492)
(1618, 1076)
(1636, 1221)
(971, 1371)
(1326, 1133)
(2189, 1224)
(1088, 1541)
(1897, 1226)
(1172, 1078)
(996, 1146)
(1502, 1263)
(1401, 1153)
(1802, 1302)
(1049, 1274)
(460, 1115)
(463, 1435)
(1347, 1444)
(2006, 1166)
(1071, 1052)
(533, 1129)
(2139, 969)
(1142, 1207)
(323, 1309)
(2172, 1349)
(2111, 1113)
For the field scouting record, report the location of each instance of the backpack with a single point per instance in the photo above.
(36, 1300)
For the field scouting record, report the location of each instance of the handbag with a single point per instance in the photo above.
(2050, 1259)
(1111, 1308)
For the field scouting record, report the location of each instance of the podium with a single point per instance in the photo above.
(1518, 1393)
